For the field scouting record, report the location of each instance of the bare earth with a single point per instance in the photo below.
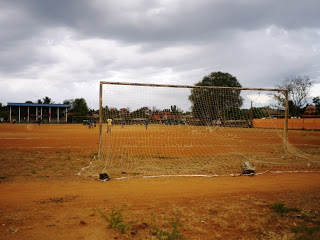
(42, 198)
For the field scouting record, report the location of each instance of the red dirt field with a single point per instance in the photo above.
(42, 198)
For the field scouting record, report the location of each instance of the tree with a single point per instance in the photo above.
(141, 113)
(299, 88)
(212, 104)
(28, 102)
(39, 101)
(316, 102)
(80, 107)
(46, 100)
(175, 110)
(111, 112)
(69, 102)
(4, 111)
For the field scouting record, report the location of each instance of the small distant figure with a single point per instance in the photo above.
(90, 124)
(146, 123)
(39, 121)
(95, 122)
(109, 125)
(123, 123)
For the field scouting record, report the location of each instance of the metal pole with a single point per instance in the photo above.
(286, 119)
(100, 121)
(58, 119)
(186, 86)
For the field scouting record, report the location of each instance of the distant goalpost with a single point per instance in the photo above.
(174, 130)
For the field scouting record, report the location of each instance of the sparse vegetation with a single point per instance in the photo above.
(116, 220)
(280, 207)
(307, 232)
(172, 233)
(306, 229)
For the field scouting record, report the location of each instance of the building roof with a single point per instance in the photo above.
(37, 105)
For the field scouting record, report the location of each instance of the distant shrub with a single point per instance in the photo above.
(280, 207)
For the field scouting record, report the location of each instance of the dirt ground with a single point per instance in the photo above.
(42, 197)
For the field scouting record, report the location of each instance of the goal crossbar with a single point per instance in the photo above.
(187, 86)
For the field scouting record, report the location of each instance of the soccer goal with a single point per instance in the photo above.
(153, 129)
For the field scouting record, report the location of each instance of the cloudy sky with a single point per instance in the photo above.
(63, 48)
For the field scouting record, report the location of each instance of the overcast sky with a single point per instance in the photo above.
(63, 48)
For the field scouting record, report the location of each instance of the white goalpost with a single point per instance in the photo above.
(174, 130)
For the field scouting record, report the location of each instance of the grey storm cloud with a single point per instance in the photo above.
(156, 20)
(73, 44)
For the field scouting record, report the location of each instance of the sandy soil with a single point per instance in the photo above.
(40, 196)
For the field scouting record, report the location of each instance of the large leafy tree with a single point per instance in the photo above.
(80, 107)
(212, 104)
(299, 88)
(316, 102)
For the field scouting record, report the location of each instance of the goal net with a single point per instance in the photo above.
(151, 130)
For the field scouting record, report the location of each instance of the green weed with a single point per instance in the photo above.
(173, 233)
(116, 220)
(280, 207)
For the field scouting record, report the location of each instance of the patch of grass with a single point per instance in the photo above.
(3, 177)
(173, 233)
(310, 232)
(305, 229)
(116, 220)
(308, 215)
(33, 171)
(281, 207)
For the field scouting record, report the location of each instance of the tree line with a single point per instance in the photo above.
(208, 105)
(142, 113)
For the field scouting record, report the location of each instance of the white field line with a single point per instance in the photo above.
(309, 145)
(84, 168)
(211, 176)
(196, 175)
